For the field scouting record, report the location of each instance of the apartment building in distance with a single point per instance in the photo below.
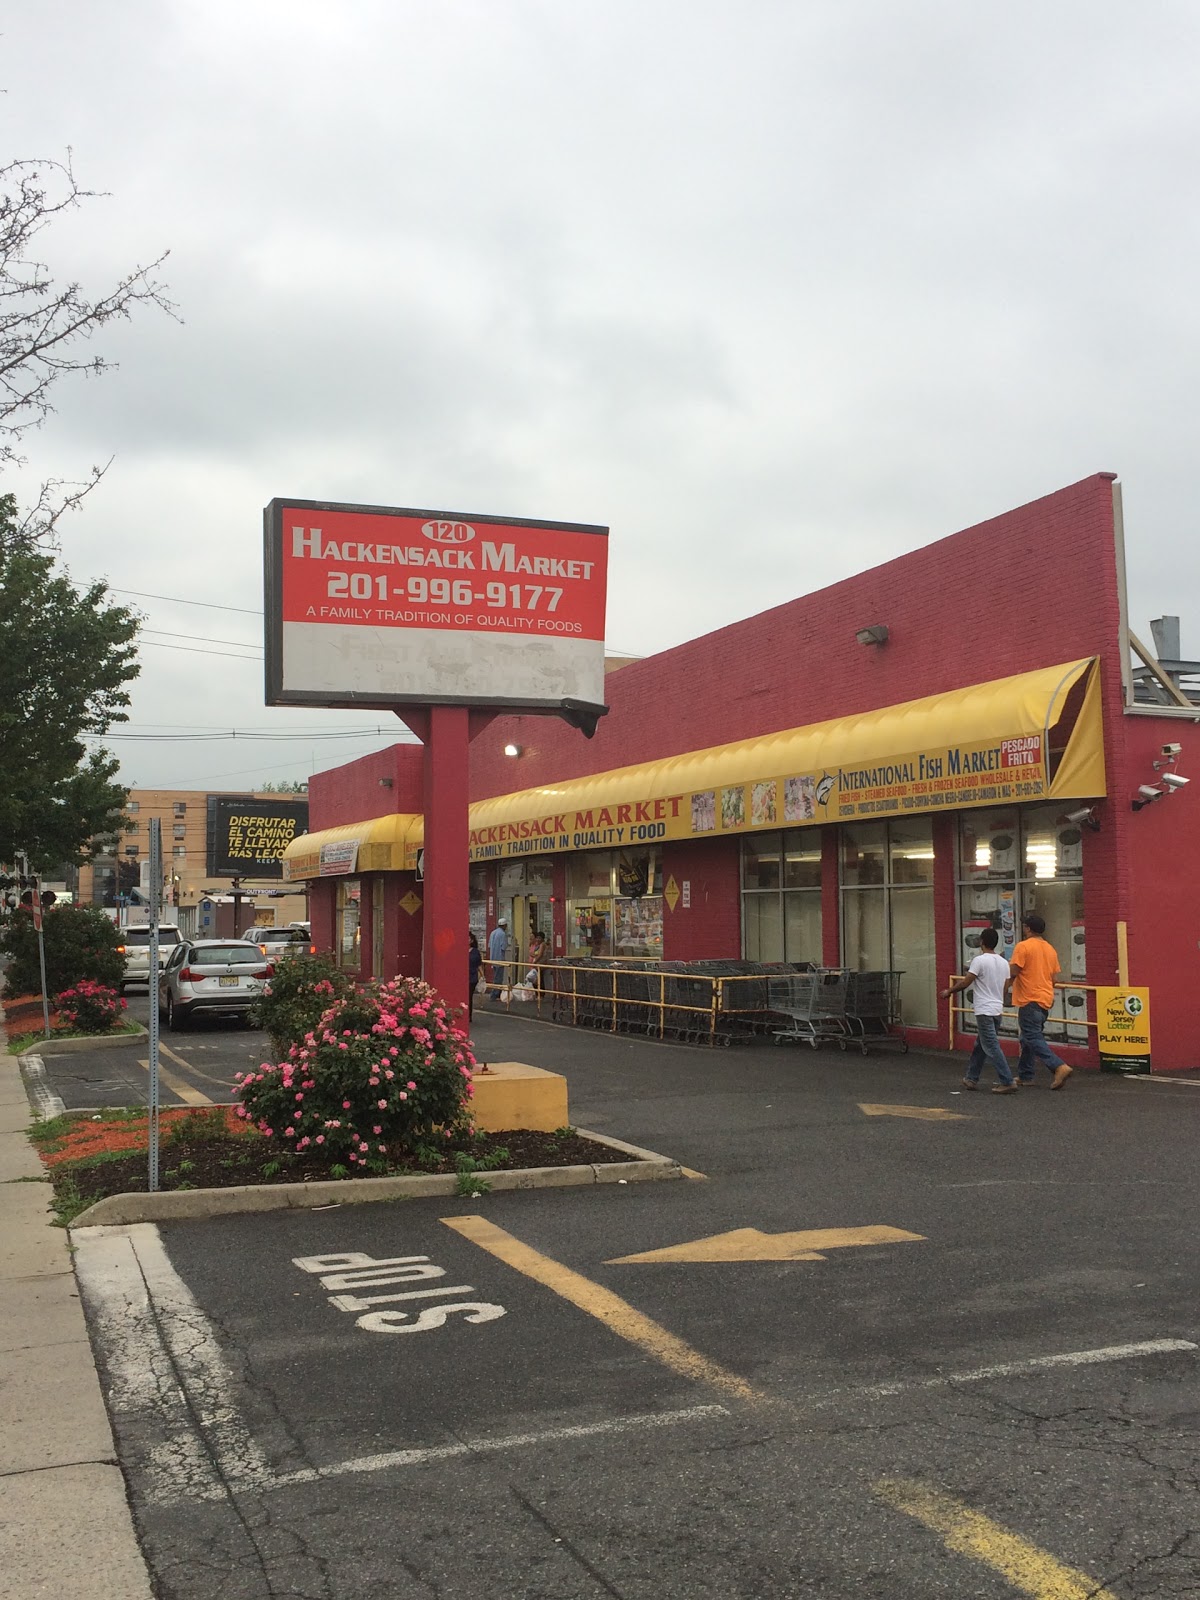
(197, 825)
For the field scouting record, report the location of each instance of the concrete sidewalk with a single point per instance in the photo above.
(65, 1524)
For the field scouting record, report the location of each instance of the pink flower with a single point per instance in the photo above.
(296, 1115)
(320, 1139)
(345, 1105)
(382, 1104)
(400, 1096)
(411, 1084)
(376, 1130)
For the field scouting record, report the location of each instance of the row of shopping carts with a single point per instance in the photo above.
(835, 1005)
(722, 1002)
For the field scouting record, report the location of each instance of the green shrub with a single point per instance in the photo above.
(292, 1003)
(382, 1072)
(82, 945)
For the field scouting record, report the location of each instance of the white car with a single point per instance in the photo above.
(211, 975)
(135, 947)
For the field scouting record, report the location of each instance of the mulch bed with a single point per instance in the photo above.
(91, 1158)
(23, 1014)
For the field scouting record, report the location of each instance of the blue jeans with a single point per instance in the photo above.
(987, 1048)
(1031, 1019)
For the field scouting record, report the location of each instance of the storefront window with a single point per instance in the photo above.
(477, 887)
(781, 897)
(887, 908)
(589, 903)
(1014, 863)
(346, 928)
(864, 853)
(377, 928)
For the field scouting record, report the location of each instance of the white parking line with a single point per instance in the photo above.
(515, 1441)
(1012, 1369)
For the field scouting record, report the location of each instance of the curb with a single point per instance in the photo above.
(117, 1210)
(84, 1041)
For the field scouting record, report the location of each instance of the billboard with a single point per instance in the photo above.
(375, 605)
(246, 838)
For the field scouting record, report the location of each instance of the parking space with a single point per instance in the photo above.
(898, 1340)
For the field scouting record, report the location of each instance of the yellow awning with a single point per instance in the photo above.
(1033, 736)
(375, 845)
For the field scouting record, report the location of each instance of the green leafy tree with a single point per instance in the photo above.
(66, 656)
(81, 945)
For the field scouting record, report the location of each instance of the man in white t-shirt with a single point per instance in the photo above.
(988, 974)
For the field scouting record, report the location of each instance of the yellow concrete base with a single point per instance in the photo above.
(512, 1095)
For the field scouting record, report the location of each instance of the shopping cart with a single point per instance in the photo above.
(814, 1001)
(873, 1010)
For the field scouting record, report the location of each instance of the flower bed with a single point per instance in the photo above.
(89, 1157)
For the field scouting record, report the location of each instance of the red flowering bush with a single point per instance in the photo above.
(89, 1007)
(381, 1073)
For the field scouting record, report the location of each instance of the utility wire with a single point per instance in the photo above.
(178, 600)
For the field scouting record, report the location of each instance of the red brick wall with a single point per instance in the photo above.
(711, 927)
(356, 791)
(1033, 587)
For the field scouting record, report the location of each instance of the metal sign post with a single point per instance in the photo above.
(155, 897)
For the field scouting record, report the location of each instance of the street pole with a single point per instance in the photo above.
(155, 896)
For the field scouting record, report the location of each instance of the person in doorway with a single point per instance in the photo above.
(498, 956)
(474, 963)
(537, 954)
(1032, 973)
(988, 975)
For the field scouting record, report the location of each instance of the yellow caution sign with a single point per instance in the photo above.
(1123, 1029)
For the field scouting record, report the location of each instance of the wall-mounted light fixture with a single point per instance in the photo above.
(386, 783)
(514, 749)
(876, 634)
(1085, 816)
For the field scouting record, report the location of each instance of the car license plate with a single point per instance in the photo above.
(229, 982)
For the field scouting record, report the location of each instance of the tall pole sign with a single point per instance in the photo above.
(439, 616)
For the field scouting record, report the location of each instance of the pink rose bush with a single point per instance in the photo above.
(382, 1072)
(88, 1007)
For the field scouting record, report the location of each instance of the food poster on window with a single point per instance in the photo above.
(949, 778)
(639, 927)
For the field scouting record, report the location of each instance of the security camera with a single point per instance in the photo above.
(1083, 814)
(1173, 780)
(1172, 749)
(1149, 792)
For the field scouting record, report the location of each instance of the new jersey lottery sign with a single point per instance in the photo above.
(373, 605)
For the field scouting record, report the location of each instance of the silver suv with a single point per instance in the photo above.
(135, 947)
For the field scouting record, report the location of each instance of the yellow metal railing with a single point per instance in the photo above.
(699, 1003)
(1067, 1022)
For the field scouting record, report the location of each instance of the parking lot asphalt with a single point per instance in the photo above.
(893, 1340)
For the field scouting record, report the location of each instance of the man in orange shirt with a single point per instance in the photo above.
(1033, 969)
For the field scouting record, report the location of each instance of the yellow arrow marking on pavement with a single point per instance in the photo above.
(616, 1314)
(969, 1533)
(919, 1113)
(749, 1244)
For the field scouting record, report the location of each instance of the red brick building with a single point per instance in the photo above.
(862, 777)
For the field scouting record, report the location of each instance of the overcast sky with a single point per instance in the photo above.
(777, 291)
